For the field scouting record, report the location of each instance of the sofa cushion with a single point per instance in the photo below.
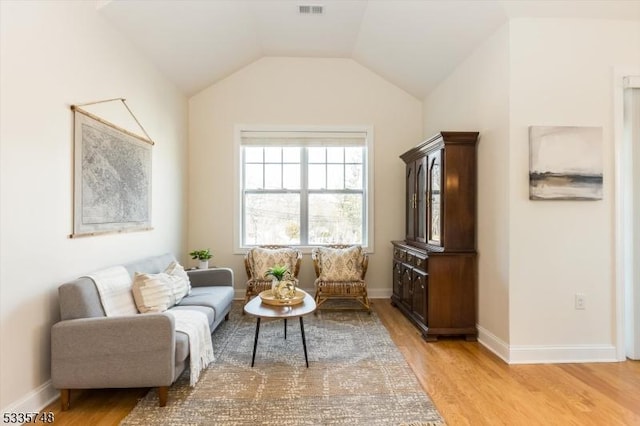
(182, 346)
(217, 298)
(182, 340)
(153, 292)
(209, 312)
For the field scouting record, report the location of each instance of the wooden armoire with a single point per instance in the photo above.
(435, 267)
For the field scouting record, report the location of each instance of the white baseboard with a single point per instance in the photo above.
(493, 343)
(34, 401)
(379, 293)
(545, 354)
(555, 354)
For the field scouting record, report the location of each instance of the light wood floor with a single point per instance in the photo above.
(471, 386)
(468, 384)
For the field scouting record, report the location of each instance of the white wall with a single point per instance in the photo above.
(534, 256)
(475, 98)
(54, 54)
(298, 91)
(562, 74)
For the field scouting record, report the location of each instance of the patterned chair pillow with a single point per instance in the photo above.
(338, 264)
(264, 258)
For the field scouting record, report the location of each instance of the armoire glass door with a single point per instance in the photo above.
(421, 200)
(435, 198)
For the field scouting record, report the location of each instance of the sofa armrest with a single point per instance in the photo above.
(211, 277)
(113, 352)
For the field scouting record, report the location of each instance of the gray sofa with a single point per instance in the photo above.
(90, 350)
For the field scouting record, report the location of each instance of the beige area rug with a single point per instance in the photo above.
(356, 376)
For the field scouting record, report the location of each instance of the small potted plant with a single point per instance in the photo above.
(277, 272)
(282, 286)
(202, 256)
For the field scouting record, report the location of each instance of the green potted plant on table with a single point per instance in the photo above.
(282, 284)
(202, 256)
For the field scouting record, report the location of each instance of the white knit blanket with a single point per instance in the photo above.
(114, 288)
(196, 325)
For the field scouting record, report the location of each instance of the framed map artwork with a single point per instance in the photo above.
(112, 178)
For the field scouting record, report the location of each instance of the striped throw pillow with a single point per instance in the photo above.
(152, 292)
(181, 285)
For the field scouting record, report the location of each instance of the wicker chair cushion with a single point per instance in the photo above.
(340, 264)
(264, 258)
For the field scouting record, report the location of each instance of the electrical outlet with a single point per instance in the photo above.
(580, 301)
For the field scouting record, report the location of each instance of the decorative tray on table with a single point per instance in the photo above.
(269, 299)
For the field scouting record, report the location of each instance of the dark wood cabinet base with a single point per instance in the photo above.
(434, 269)
(432, 334)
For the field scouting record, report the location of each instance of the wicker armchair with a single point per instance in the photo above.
(340, 271)
(258, 259)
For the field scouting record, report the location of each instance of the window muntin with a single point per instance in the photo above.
(336, 168)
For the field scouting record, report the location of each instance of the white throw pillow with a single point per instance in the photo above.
(181, 285)
(152, 292)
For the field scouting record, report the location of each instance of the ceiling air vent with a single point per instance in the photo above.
(307, 9)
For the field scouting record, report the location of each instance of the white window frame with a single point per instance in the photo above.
(237, 177)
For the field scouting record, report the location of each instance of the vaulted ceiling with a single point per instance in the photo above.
(412, 43)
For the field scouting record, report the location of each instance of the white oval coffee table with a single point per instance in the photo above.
(258, 309)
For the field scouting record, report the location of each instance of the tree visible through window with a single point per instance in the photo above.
(298, 193)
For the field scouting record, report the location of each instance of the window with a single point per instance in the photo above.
(304, 188)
